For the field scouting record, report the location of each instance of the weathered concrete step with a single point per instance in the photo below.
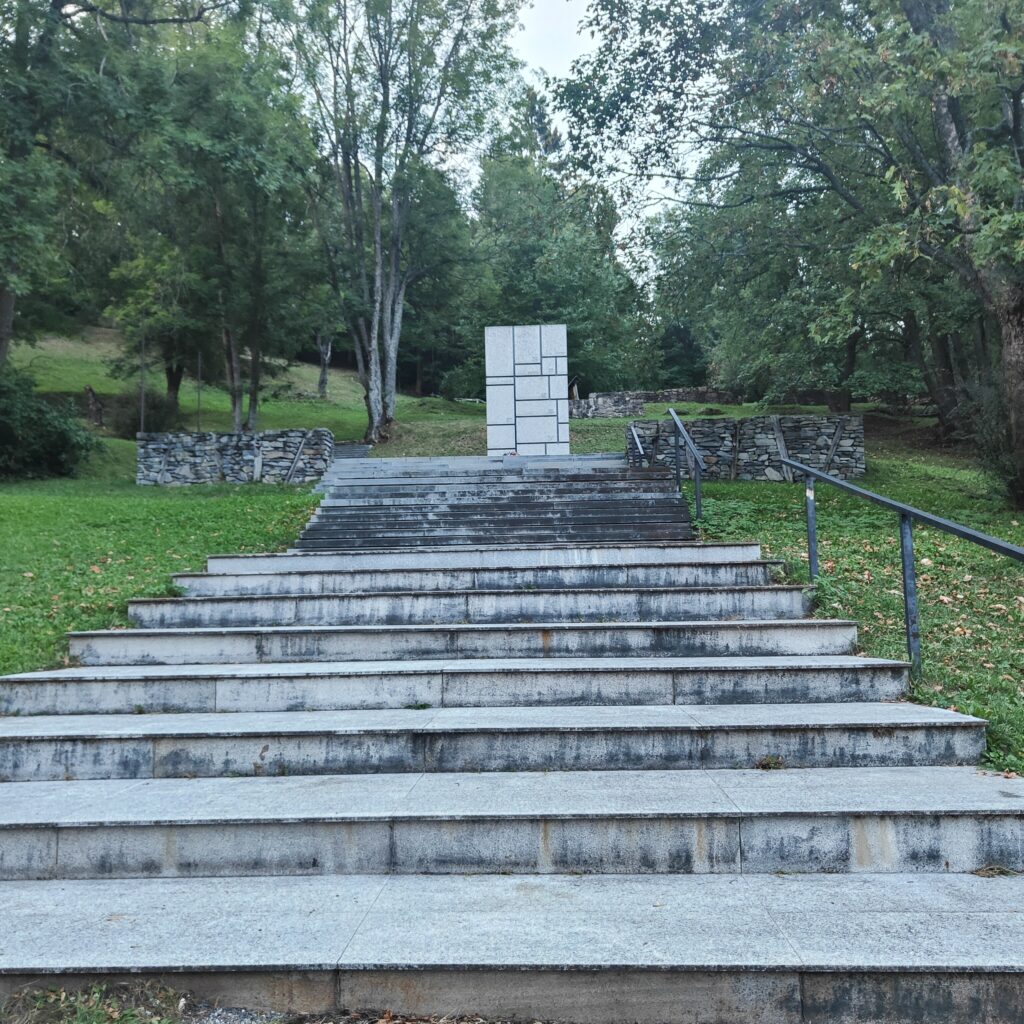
(477, 606)
(443, 538)
(369, 527)
(680, 949)
(681, 737)
(742, 638)
(429, 580)
(486, 498)
(492, 556)
(330, 686)
(441, 512)
(801, 820)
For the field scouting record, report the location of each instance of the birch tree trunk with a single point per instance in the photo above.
(324, 342)
(255, 366)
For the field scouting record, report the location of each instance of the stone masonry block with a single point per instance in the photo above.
(553, 340)
(527, 345)
(501, 405)
(498, 349)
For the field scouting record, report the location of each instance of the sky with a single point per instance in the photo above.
(549, 39)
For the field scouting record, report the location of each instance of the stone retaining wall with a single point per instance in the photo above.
(751, 449)
(614, 404)
(271, 457)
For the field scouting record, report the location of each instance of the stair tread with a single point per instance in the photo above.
(622, 718)
(262, 670)
(498, 796)
(688, 922)
(660, 624)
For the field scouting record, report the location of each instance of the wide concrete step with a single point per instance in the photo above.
(371, 541)
(493, 556)
(487, 497)
(652, 822)
(681, 737)
(544, 682)
(678, 949)
(667, 509)
(432, 580)
(488, 530)
(477, 606)
(742, 638)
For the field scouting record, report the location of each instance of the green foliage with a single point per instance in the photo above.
(38, 438)
(856, 199)
(122, 414)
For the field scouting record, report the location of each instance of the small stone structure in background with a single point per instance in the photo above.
(270, 457)
(527, 390)
(615, 404)
(752, 449)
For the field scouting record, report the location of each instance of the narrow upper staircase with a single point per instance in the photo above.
(499, 737)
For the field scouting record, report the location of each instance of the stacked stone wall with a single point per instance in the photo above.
(271, 457)
(616, 404)
(752, 449)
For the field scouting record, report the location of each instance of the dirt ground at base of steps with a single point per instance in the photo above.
(151, 1003)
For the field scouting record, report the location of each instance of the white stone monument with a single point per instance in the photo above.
(527, 390)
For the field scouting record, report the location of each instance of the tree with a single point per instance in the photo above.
(398, 87)
(54, 94)
(903, 118)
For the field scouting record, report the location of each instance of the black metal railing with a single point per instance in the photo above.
(908, 514)
(638, 446)
(696, 463)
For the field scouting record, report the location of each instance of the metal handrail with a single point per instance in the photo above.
(699, 466)
(636, 441)
(908, 514)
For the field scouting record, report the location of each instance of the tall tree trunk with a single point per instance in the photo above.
(7, 300)
(324, 341)
(945, 379)
(1010, 313)
(945, 408)
(255, 366)
(233, 377)
(174, 371)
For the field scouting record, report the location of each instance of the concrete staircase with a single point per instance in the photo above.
(473, 766)
(402, 503)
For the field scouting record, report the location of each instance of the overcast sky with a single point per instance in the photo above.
(549, 39)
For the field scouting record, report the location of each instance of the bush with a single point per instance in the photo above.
(464, 381)
(38, 438)
(122, 414)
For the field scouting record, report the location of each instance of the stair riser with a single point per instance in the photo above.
(415, 541)
(461, 501)
(735, 843)
(554, 556)
(453, 689)
(47, 760)
(598, 577)
(396, 644)
(526, 606)
(668, 995)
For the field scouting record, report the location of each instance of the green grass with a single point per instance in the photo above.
(137, 1003)
(76, 551)
(972, 601)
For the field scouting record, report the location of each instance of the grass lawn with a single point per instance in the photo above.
(75, 551)
(972, 601)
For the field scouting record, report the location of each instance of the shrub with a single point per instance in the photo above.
(464, 381)
(122, 414)
(38, 438)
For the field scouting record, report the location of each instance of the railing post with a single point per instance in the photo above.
(696, 489)
(910, 593)
(812, 528)
(679, 472)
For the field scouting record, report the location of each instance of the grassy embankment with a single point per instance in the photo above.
(75, 551)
